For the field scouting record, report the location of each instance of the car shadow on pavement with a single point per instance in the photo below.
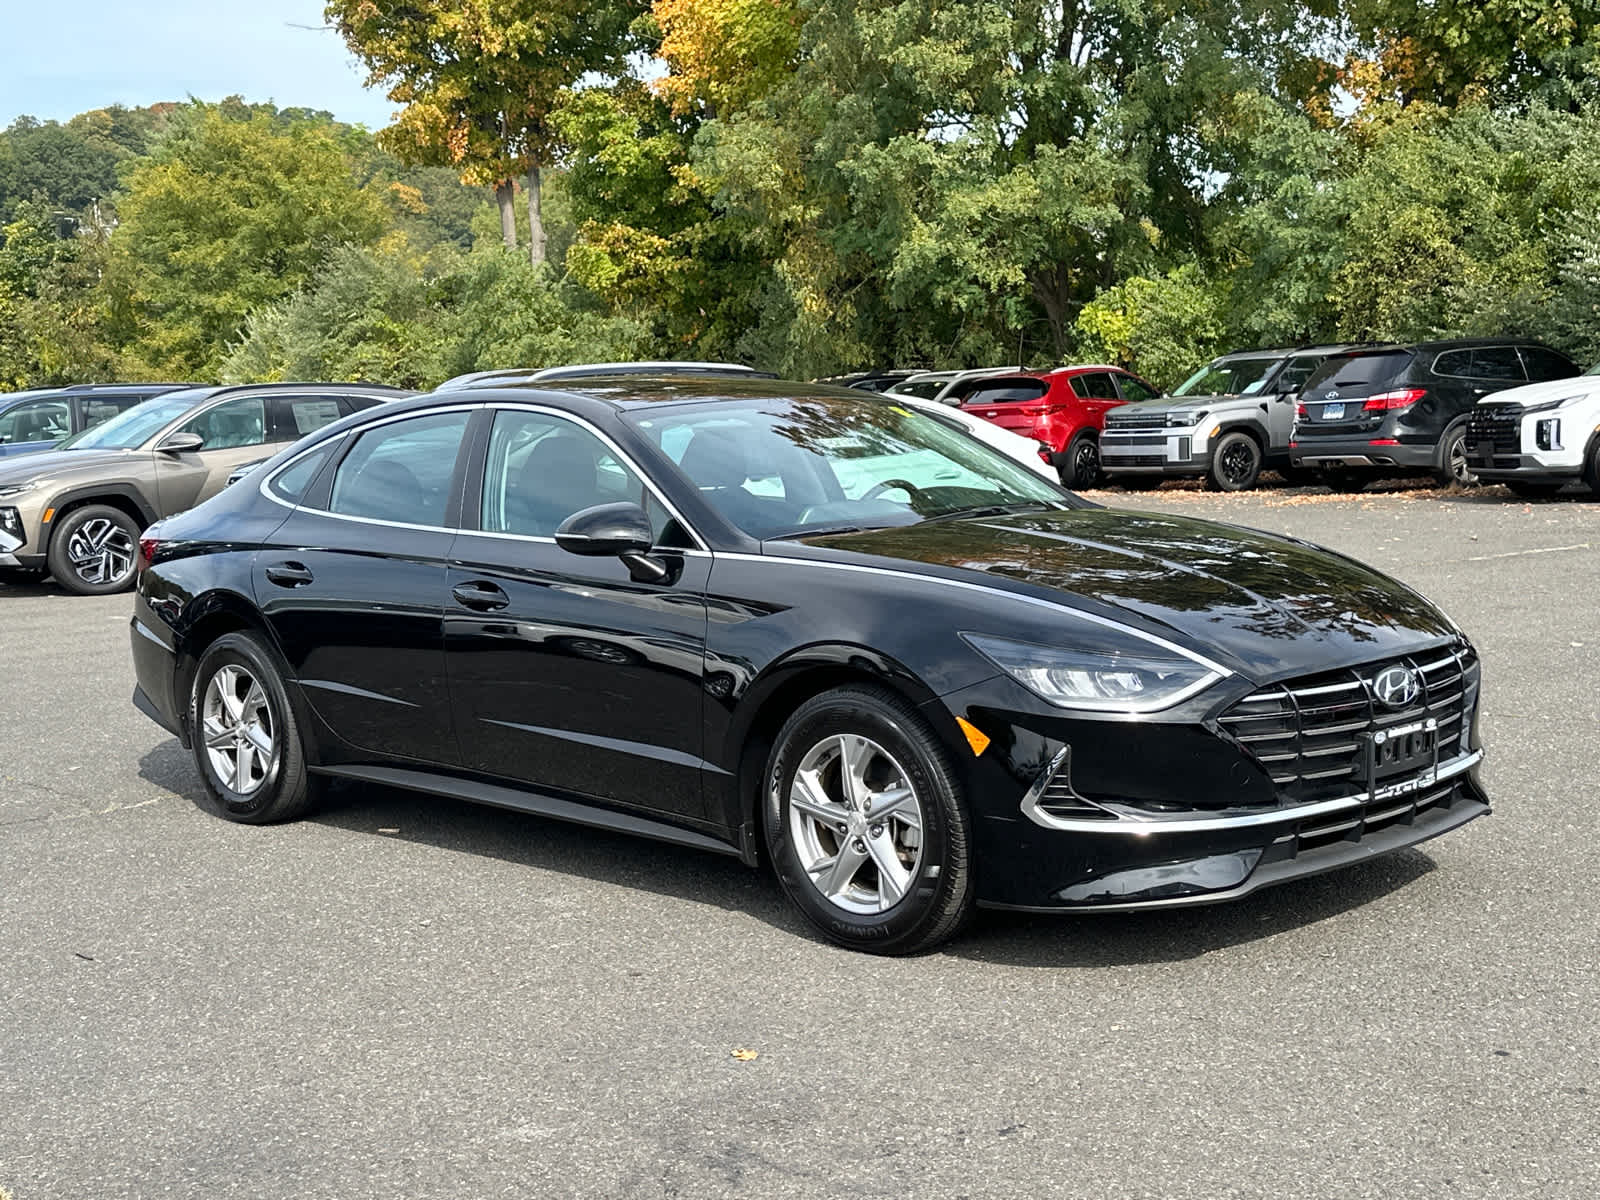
(1014, 939)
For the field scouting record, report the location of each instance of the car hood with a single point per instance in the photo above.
(1168, 404)
(62, 464)
(1552, 389)
(1272, 605)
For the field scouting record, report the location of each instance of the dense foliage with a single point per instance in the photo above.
(817, 185)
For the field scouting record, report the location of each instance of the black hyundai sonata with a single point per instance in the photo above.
(792, 623)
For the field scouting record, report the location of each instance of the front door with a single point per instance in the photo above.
(565, 673)
(232, 433)
(353, 585)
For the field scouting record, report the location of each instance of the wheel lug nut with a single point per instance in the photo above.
(877, 831)
(861, 846)
(843, 828)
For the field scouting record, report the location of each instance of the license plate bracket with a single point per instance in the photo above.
(1402, 758)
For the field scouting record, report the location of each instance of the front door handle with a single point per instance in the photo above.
(480, 595)
(289, 574)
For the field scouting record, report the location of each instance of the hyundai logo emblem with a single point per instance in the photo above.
(1396, 687)
(1331, 395)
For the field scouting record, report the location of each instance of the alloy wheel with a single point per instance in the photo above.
(1460, 471)
(236, 723)
(1237, 463)
(100, 551)
(1086, 462)
(856, 823)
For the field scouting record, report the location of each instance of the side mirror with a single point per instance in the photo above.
(620, 530)
(180, 443)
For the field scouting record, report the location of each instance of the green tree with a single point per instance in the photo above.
(479, 79)
(1161, 328)
(51, 315)
(225, 216)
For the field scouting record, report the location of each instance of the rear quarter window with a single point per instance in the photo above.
(1544, 365)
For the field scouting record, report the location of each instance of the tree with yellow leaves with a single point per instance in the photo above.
(724, 54)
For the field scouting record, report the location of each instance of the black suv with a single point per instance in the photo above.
(1403, 409)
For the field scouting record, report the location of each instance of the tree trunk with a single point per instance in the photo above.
(535, 218)
(505, 196)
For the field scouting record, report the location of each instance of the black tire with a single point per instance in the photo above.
(1344, 479)
(1530, 490)
(939, 896)
(1452, 466)
(94, 551)
(285, 789)
(1080, 463)
(1235, 463)
(1591, 468)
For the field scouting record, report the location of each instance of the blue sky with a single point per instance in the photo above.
(60, 59)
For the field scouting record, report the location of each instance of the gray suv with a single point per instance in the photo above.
(1228, 421)
(77, 511)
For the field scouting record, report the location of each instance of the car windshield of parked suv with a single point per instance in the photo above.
(782, 467)
(1229, 377)
(131, 429)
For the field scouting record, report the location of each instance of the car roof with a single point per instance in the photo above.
(513, 375)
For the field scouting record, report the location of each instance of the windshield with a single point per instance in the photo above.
(780, 467)
(1229, 377)
(1594, 370)
(132, 428)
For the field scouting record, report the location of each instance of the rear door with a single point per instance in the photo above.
(1098, 391)
(353, 583)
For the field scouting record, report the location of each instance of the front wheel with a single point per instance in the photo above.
(94, 551)
(1235, 463)
(1080, 465)
(244, 737)
(865, 824)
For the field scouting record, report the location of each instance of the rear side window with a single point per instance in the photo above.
(1357, 371)
(1002, 391)
(1097, 385)
(295, 416)
(292, 482)
(402, 471)
(1545, 364)
(1497, 362)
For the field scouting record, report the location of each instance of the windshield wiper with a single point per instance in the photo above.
(818, 531)
(994, 510)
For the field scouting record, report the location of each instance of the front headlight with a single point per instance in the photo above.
(1107, 668)
(1182, 420)
(1552, 404)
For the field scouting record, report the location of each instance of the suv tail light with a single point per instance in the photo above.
(1397, 399)
(148, 547)
(1042, 408)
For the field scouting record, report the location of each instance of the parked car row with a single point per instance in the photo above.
(1344, 414)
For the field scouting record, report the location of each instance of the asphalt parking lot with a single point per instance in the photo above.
(407, 997)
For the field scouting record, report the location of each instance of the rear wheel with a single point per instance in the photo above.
(1452, 466)
(865, 823)
(94, 550)
(1235, 463)
(1080, 465)
(244, 737)
(1533, 491)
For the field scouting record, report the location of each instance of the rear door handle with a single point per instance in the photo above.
(289, 574)
(480, 595)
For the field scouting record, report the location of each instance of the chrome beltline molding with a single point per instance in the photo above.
(1138, 827)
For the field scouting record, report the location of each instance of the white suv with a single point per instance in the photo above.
(1536, 439)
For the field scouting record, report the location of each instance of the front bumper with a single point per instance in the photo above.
(1360, 452)
(1178, 451)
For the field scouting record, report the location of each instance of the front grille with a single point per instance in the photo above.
(1496, 428)
(1310, 734)
(1355, 823)
(1136, 460)
(1142, 439)
(1136, 420)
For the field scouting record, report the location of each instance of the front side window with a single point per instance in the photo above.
(402, 471)
(542, 468)
(231, 424)
(1544, 365)
(36, 421)
(779, 467)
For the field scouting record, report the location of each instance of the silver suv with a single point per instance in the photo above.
(1228, 421)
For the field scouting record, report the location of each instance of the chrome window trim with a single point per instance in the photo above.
(1142, 827)
(699, 549)
(990, 589)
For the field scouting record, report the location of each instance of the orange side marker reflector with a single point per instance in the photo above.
(48, 513)
(976, 738)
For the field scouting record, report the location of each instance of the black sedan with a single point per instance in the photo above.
(805, 626)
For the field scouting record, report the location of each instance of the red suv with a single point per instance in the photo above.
(1063, 410)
